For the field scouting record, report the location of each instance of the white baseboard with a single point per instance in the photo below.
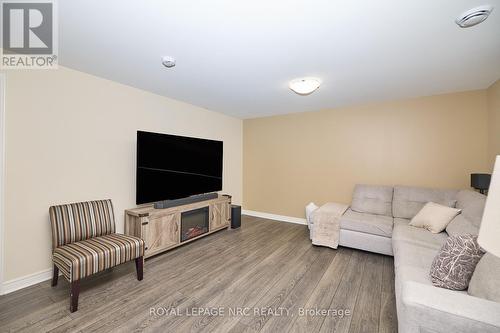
(25, 281)
(276, 217)
(29, 280)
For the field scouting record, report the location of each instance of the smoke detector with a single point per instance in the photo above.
(474, 16)
(168, 62)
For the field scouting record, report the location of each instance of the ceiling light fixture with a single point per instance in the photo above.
(168, 62)
(473, 16)
(304, 86)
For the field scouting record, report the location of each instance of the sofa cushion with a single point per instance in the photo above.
(434, 217)
(412, 254)
(461, 226)
(417, 236)
(485, 282)
(372, 199)
(472, 205)
(368, 223)
(415, 274)
(402, 221)
(408, 201)
(455, 262)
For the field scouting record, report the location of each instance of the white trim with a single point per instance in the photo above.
(282, 218)
(26, 281)
(29, 280)
(2, 178)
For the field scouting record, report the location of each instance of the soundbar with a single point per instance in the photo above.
(184, 201)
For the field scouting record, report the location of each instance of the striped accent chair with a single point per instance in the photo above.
(84, 242)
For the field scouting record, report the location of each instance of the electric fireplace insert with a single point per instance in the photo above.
(194, 223)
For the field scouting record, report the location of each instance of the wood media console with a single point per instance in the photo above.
(165, 229)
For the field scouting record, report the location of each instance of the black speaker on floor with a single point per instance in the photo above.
(235, 216)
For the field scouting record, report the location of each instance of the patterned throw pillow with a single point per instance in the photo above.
(455, 263)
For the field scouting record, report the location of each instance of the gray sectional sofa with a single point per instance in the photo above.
(377, 221)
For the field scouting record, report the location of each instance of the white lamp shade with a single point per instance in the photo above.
(304, 86)
(489, 233)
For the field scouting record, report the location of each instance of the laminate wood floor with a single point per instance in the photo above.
(264, 277)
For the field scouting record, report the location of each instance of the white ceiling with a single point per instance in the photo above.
(237, 57)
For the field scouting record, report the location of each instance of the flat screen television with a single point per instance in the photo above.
(173, 167)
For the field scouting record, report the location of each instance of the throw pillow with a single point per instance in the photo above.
(485, 282)
(434, 217)
(454, 264)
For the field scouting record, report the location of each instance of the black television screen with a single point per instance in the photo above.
(173, 167)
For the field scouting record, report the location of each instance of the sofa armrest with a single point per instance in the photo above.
(431, 309)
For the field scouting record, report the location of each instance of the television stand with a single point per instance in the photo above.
(165, 229)
(184, 201)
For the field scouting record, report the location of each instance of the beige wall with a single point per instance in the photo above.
(293, 159)
(493, 96)
(71, 137)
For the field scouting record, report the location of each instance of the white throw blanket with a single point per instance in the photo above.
(326, 224)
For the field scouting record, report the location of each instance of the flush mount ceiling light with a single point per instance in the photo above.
(304, 86)
(168, 62)
(474, 16)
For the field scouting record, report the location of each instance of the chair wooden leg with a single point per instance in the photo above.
(75, 291)
(139, 264)
(55, 276)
